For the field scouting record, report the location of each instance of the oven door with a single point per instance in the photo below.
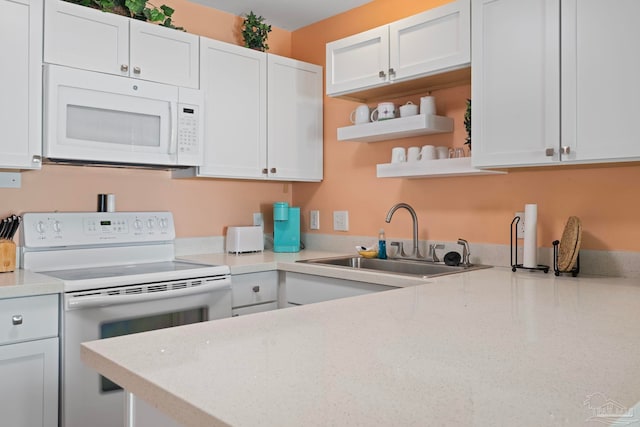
(96, 117)
(87, 398)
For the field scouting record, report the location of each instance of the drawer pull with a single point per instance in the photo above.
(256, 289)
(16, 319)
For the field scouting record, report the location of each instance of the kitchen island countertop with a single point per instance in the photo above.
(480, 348)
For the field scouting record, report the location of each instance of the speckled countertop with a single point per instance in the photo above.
(488, 347)
(22, 283)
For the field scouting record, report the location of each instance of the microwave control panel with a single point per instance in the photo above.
(188, 122)
(96, 228)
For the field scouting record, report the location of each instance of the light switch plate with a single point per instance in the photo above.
(314, 220)
(341, 220)
(257, 218)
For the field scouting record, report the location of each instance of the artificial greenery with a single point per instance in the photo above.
(137, 9)
(255, 32)
(467, 123)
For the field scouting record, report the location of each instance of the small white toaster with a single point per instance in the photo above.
(244, 239)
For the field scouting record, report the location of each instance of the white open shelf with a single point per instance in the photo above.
(432, 169)
(402, 127)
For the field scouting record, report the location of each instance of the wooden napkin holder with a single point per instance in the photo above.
(7, 255)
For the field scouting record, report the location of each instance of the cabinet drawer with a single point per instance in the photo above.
(28, 318)
(258, 308)
(254, 288)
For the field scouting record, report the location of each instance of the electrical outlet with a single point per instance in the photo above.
(314, 220)
(341, 220)
(520, 226)
(257, 218)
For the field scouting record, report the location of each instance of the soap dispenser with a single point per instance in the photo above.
(382, 245)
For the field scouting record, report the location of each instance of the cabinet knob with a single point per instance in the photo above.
(256, 289)
(273, 170)
(124, 68)
(36, 160)
(382, 74)
(136, 70)
(265, 171)
(549, 152)
(16, 319)
(566, 149)
(392, 72)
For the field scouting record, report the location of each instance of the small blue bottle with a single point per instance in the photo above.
(382, 245)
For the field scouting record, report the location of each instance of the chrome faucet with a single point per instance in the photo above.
(465, 253)
(415, 252)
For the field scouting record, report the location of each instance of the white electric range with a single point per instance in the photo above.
(120, 277)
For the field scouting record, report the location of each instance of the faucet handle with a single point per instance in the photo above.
(400, 251)
(432, 255)
(465, 252)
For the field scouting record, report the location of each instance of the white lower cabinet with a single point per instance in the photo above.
(29, 350)
(254, 292)
(303, 289)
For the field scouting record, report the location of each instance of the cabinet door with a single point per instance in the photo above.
(294, 149)
(515, 82)
(308, 289)
(431, 42)
(234, 81)
(29, 386)
(86, 38)
(163, 54)
(600, 86)
(21, 84)
(358, 62)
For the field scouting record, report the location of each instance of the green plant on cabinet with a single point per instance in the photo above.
(136, 9)
(255, 32)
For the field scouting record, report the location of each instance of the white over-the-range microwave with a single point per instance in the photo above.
(96, 118)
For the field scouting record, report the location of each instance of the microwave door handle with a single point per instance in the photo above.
(173, 144)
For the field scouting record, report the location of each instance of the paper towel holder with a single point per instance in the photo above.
(514, 250)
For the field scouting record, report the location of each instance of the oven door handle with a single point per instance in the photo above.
(106, 300)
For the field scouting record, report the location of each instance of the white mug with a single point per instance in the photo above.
(398, 155)
(360, 115)
(442, 152)
(428, 152)
(428, 105)
(413, 154)
(408, 109)
(384, 111)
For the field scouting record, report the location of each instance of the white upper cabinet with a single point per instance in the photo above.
(515, 81)
(86, 38)
(263, 115)
(234, 81)
(294, 129)
(21, 84)
(600, 85)
(432, 42)
(554, 84)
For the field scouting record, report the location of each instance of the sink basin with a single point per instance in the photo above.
(395, 266)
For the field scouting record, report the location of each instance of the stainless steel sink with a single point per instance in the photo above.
(413, 268)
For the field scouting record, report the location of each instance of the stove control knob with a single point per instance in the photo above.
(57, 226)
(40, 227)
(150, 223)
(164, 223)
(137, 224)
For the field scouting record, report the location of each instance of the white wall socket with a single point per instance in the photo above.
(341, 220)
(520, 226)
(314, 220)
(257, 218)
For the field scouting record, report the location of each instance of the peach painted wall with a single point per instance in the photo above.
(479, 209)
(201, 207)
